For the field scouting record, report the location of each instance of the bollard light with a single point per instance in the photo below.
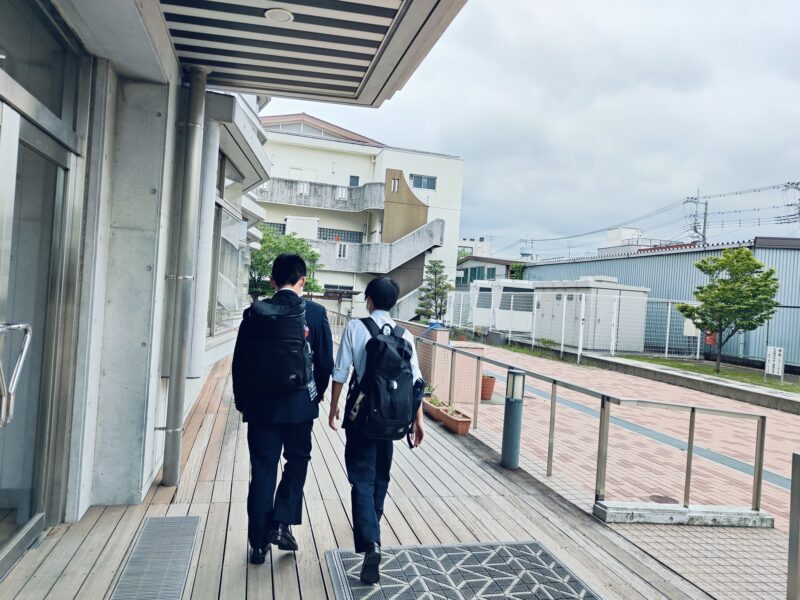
(515, 384)
(512, 418)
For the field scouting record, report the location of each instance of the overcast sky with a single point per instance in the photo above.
(571, 116)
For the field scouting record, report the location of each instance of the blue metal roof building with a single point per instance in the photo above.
(670, 274)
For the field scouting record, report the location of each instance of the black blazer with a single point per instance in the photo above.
(298, 407)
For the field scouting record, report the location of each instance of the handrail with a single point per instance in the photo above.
(7, 390)
(606, 401)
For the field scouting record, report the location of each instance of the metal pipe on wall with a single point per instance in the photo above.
(184, 276)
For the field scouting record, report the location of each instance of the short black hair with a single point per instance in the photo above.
(383, 292)
(287, 269)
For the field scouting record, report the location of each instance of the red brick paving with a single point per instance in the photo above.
(726, 562)
(638, 466)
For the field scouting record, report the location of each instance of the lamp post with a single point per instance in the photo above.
(512, 418)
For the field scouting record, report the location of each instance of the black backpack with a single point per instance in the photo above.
(277, 348)
(388, 384)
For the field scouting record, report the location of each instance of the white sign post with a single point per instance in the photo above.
(774, 363)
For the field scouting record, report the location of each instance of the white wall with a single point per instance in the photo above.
(443, 203)
(327, 161)
(332, 219)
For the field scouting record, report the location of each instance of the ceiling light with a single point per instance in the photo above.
(279, 15)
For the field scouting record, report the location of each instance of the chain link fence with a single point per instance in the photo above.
(605, 324)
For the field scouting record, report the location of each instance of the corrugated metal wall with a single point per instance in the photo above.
(673, 276)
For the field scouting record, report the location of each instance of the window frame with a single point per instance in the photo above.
(424, 180)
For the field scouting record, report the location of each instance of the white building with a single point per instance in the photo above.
(472, 268)
(612, 315)
(368, 208)
(476, 246)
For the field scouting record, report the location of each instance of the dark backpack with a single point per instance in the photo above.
(388, 384)
(277, 348)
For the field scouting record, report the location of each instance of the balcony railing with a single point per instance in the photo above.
(369, 196)
(380, 257)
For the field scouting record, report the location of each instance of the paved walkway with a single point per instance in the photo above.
(449, 491)
(645, 464)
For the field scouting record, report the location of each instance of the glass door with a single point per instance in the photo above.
(32, 183)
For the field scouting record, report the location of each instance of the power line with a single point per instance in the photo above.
(648, 215)
(795, 185)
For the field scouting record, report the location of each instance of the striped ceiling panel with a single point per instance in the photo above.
(349, 51)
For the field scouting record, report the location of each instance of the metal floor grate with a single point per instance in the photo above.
(475, 571)
(159, 563)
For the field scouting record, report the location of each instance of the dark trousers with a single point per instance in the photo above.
(265, 507)
(368, 464)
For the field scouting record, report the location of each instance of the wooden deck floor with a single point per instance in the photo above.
(450, 490)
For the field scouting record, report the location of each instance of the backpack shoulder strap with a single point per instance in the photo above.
(371, 326)
(398, 331)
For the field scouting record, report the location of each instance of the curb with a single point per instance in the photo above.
(690, 381)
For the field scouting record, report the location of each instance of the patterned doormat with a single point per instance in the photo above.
(459, 571)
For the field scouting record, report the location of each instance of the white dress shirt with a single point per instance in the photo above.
(353, 344)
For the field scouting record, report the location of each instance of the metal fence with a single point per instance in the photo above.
(447, 354)
(338, 321)
(607, 324)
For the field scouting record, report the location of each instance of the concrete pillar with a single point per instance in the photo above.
(130, 335)
(205, 247)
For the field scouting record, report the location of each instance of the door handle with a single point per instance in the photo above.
(7, 389)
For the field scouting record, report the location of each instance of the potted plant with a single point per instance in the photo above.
(431, 404)
(455, 421)
(487, 386)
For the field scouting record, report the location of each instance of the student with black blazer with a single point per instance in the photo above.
(278, 423)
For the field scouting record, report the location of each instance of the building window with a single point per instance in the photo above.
(342, 193)
(337, 292)
(477, 273)
(491, 273)
(230, 182)
(340, 235)
(39, 56)
(279, 228)
(395, 185)
(303, 188)
(354, 179)
(423, 182)
(233, 185)
(231, 262)
(341, 251)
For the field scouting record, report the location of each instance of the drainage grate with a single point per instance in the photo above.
(157, 567)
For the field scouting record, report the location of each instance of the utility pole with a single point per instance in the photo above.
(699, 233)
(705, 219)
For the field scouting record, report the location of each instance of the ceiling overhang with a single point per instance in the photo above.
(350, 52)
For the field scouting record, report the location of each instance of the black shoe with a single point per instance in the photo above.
(282, 538)
(258, 555)
(370, 570)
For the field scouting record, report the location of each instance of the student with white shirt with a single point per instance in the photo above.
(368, 461)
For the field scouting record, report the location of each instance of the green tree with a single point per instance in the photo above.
(517, 271)
(463, 253)
(273, 244)
(740, 296)
(435, 287)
